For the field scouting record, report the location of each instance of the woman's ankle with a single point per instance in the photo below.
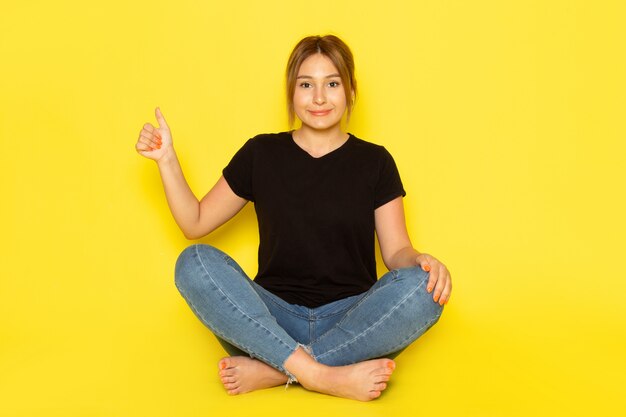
(302, 365)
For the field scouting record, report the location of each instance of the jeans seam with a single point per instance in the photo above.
(311, 325)
(340, 312)
(302, 316)
(243, 313)
(358, 303)
(408, 338)
(229, 340)
(355, 305)
(373, 326)
(229, 261)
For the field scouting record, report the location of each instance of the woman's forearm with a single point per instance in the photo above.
(182, 202)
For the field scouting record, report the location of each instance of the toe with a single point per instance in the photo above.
(374, 394)
(228, 379)
(228, 372)
(382, 378)
(224, 363)
(381, 374)
(384, 371)
(230, 386)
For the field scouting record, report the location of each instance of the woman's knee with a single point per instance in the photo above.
(414, 281)
(193, 259)
(413, 278)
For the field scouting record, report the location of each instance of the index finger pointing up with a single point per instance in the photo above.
(160, 118)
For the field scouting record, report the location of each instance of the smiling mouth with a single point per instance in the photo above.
(320, 113)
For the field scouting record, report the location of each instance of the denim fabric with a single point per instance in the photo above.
(249, 320)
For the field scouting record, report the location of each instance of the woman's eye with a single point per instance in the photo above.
(333, 84)
(305, 85)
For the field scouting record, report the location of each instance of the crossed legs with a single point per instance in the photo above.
(347, 361)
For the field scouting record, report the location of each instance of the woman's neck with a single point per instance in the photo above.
(319, 142)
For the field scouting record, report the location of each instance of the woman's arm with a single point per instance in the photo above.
(195, 219)
(398, 252)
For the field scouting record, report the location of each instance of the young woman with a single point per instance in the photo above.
(315, 313)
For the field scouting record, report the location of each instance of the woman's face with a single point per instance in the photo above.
(319, 99)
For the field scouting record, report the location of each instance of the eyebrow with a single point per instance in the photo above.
(328, 76)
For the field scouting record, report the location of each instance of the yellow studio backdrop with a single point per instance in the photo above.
(506, 120)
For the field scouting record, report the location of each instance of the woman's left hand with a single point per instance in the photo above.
(439, 278)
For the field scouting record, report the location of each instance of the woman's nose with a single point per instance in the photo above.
(319, 98)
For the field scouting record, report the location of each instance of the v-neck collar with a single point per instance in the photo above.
(328, 155)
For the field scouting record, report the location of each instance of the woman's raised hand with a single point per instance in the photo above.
(155, 142)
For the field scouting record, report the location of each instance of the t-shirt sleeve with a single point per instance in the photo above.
(238, 172)
(389, 185)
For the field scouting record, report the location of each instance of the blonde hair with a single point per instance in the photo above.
(333, 48)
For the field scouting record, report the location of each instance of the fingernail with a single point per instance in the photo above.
(427, 268)
(430, 289)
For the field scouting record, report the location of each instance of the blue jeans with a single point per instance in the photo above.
(249, 320)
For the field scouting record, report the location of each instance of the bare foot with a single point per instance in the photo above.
(363, 381)
(241, 374)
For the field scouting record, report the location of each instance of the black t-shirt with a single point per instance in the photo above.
(315, 215)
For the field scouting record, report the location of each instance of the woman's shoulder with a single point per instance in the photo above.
(271, 137)
(368, 147)
(265, 141)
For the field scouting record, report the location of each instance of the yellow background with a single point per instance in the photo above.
(506, 120)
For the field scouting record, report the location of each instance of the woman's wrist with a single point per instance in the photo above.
(168, 157)
(405, 258)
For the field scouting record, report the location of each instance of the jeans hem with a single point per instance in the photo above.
(292, 378)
